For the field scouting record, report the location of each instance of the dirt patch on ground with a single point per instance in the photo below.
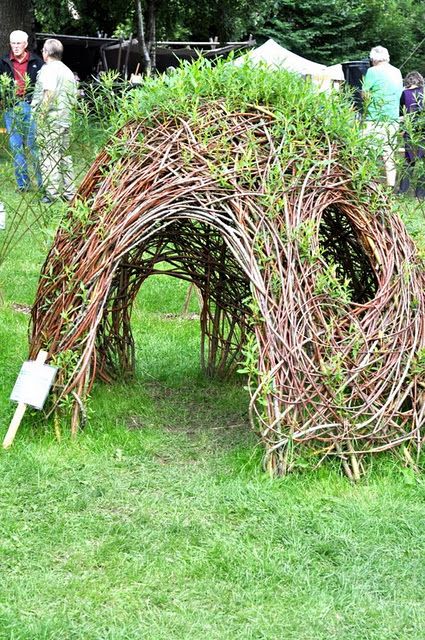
(206, 414)
(181, 316)
(21, 308)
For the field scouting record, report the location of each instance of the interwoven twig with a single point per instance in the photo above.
(332, 292)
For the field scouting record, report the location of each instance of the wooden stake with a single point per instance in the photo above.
(20, 410)
(192, 287)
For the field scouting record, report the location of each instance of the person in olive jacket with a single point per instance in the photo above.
(21, 66)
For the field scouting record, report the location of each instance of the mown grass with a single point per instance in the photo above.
(158, 523)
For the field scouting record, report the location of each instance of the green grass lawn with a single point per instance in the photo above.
(158, 523)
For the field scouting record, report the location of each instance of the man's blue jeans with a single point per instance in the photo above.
(20, 126)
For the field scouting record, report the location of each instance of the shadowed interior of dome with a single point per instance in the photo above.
(341, 245)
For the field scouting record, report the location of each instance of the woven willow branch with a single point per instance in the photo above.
(332, 292)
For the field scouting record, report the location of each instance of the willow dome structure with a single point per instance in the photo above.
(308, 279)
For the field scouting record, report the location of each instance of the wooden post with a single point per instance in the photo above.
(20, 410)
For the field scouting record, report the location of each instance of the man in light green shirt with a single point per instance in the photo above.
(382, 87)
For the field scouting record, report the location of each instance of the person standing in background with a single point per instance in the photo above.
(382, 87)
(21, 66)
(411, 104)
(55, 95)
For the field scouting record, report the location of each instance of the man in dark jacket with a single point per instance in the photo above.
(21, 66)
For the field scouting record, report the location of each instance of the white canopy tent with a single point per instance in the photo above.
(273, 55)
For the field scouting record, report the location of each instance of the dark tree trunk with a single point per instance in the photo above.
(141, 37)
(16, 14)
(151, 31)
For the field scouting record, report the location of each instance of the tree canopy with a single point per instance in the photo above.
(324, 30)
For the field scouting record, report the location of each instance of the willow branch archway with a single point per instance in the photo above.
(321, 297)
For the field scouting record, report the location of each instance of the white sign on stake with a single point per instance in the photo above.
(31, 387)
(33, 384)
